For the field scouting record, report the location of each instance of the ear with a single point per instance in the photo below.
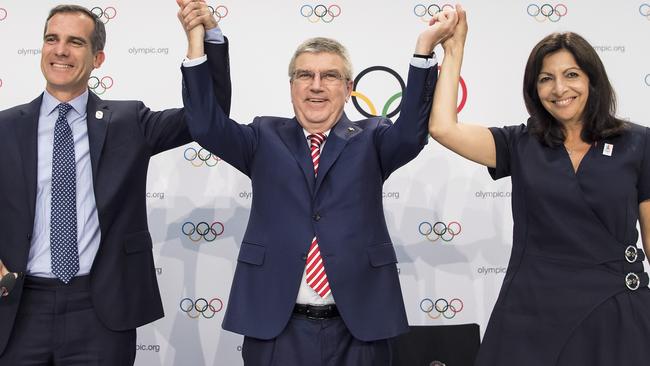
(99, 59)
(348, 86)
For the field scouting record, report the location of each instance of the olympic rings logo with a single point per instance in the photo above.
(647, 80)
(439, 230)
(202, 230)
(201, 307)
(547, 11)
(199, 157)
(644, 10)
(320, 12)
(425, 13)
(220, 12)
(99, 86)
(373, 110)
(104, 14)
(442, 307)
(1, 82)
(386, 111)
(3, 14)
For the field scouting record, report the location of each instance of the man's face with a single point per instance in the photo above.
(319, 90)
(67, 58)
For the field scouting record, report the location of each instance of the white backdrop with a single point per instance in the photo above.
(144, 49)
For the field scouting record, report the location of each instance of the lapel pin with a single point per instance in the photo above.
(608, 149)
(99, 115)
(351, 129)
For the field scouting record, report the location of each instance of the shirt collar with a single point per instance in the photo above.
(50, 103)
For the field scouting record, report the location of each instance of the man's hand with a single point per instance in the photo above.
(4, 291)
(195, 17)
(441, 26)
(457, 40)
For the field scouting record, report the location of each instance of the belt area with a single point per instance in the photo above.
(316, 311)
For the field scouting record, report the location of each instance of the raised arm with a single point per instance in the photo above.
(470, 141)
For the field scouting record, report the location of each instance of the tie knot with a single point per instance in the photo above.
(64, 108)
(317, 139)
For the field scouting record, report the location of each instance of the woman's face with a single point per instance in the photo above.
(563, 87)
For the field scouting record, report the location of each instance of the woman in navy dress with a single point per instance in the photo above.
(575, 292)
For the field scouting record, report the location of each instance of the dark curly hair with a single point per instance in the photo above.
(598, 121)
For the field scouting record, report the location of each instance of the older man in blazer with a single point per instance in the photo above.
(316, 280)
(72, 202)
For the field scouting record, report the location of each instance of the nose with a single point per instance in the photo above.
(61, 49)
(316, 84)
(559, 87)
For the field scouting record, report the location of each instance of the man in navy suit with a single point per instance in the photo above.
(72, 202)
(316, 281)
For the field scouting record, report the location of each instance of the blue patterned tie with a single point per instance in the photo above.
(63, 224)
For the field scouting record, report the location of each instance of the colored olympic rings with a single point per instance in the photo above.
(220, 12)
(104, 14)
(443, 231)
(200, 157)
(3, 14)
(547, 11)
(201, 306)
(99, 86)
(448, 309)
(320, 12)
(644, 10)
(425, 13)
(373, 111)
(202, 230)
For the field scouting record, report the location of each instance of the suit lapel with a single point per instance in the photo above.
(27, 131)
(97, 117)
(343, 131)
(293, 137)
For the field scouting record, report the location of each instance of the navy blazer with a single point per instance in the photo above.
(124, 287)
(343, 207)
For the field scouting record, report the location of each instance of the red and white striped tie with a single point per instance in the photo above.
(316, 277)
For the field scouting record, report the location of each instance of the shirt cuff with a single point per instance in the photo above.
(214, 35)
(195, 61)
(424, 63)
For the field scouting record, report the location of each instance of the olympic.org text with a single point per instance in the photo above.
(620, 49)
(494, 194)
(158, 195)
(491, 270)
(148, 347)
(148, 51)
(29, 51)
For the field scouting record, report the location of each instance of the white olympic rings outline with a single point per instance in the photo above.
(204, 156)
(647, 80)
(105, 15)
(448, 309)
(547, 11)
(94, 83)
(320, 12)
(194, 310)
(440, 229)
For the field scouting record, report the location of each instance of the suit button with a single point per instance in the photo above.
(316, 216)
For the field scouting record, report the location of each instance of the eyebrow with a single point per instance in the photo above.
(563, 71)
(71, 38)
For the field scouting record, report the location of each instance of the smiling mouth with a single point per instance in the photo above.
(316, 100)
(60, 66)
(564, 102)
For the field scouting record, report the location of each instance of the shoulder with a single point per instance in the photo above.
(20, 111)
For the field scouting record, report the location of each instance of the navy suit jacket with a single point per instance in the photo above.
(343, 207)
(124, 287)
